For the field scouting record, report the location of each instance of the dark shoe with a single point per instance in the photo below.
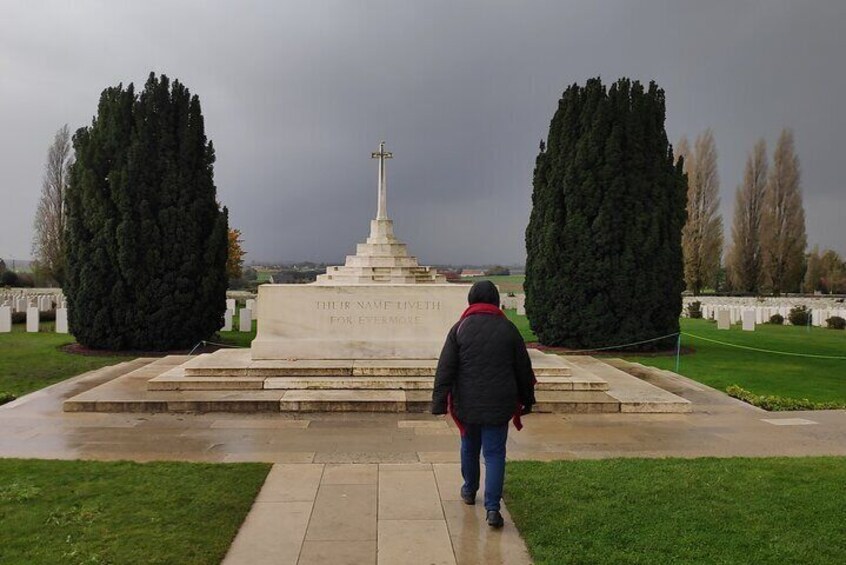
(468, 498)
(495, 519)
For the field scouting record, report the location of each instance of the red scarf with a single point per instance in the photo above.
(490, 310)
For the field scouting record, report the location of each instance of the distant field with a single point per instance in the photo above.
(263, 275)
(506, 283)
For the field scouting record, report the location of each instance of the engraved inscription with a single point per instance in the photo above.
(377, 312)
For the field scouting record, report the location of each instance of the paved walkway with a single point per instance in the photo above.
(366, 514)
(364, 487)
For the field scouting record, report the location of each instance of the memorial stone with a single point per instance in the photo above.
(231, 304)
(723, 319)
(245, 322)
(749, 320)
(32, 319)
(227, 320)
(5, 319)
(61, 320)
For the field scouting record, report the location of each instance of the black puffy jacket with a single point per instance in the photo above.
(485, 366)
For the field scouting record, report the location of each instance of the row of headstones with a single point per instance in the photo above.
(245, 315)
(19, 302)
(762, 314)
(518, 302)
(33, 319)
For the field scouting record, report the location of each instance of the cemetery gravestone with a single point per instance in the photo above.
(227, 320)
(723, 319)
(32, 319)
(61, 320)
(749, 320)
(5, 319)
(245, 324)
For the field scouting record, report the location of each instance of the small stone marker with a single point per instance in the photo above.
(5, 319)
(61, 320)
(749, 320)
(32, 319)
(245, 323)
(521, 305)
(723, 319)
(227, 320)
(21, 305)
(230, 304)
(251, 304)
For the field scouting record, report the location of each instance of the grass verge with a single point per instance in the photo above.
(120, 512)
(30, 361)
(762, 374)
(794, 379)
(776, 510)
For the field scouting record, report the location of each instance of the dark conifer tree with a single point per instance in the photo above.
(604, 258)
(146, 237)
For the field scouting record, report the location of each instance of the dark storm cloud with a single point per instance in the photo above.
(297, 94)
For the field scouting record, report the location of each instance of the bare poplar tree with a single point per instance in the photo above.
(744, 258)
(702, 236)
(783, 237)
(49, 223)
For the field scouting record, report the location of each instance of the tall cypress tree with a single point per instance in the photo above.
(604, 258)
(146, 237)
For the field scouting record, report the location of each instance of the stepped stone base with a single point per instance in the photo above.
(230, 381)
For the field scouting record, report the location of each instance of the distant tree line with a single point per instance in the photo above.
(768, 238)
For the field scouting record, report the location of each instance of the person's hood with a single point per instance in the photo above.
(483, 291)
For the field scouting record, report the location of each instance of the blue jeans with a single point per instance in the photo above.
(491, 441)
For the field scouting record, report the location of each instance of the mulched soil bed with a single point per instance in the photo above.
(78, 349)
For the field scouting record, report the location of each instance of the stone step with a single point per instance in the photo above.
(177, 380)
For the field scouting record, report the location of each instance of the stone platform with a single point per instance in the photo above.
(231, 381)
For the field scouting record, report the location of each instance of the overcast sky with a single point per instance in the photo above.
(297, 94)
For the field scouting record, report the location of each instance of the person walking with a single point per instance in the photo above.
(484, 379)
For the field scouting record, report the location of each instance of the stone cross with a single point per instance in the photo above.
(382, 210)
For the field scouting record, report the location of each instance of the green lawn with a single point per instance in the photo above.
(719, 366)
(650, 511)
(73, 512)
(29, 362)
(819, 380)
(522, 323)
(236, 338)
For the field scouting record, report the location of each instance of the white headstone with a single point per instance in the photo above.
(245, 323)
(227, 320)
(5, 319)
(21, 305)
(521, 305)
(723, 319)
(61, 320)
(32, 319)
(749, 320)
(230, 304)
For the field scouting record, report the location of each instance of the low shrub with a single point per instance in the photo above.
(780, 403)
(694, 310)
(799, 316)
(836, 323)
(777, 319)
